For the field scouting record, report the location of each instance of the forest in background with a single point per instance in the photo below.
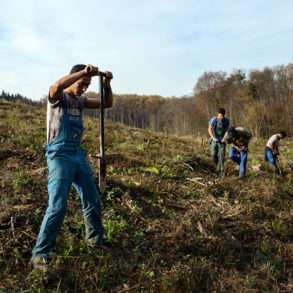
(260, 100)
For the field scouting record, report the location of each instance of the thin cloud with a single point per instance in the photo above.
(153, 47)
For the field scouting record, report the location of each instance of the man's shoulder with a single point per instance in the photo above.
(243, 132)
(54, 103)
(212, 120)
(274, 137)
(240, 129)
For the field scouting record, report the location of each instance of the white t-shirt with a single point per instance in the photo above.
(274, 141)
(55, 111)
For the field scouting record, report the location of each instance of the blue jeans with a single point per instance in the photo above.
(65, 170)
(270, 157)
(240, 158)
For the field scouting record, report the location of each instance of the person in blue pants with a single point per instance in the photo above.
(67, 163)
(239, 139)
(239, 155)
(272, 151)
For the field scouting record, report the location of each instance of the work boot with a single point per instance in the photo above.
(39, 263)
(241, 177)
(105, 245)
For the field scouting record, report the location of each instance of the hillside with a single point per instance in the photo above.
(174, 225)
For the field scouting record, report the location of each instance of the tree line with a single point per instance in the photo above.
(17, 98)
(260, 100)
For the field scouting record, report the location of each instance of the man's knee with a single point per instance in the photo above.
(90, 210)
(244, 157)
(57, 209)
(59, 186)
(58, 192)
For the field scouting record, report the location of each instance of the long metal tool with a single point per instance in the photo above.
(102, 158)
(278, 169)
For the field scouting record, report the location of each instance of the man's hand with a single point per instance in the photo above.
(218, 140)
(91, 70)
(240, 148)
(107, 79)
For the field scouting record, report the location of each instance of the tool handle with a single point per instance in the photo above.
(101, 73)
(102, 161)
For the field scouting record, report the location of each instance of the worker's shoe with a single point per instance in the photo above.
(105, 245)
(39, 263)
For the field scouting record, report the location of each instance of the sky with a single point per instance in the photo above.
(153, 47)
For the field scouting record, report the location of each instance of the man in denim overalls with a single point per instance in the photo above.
(218, 127)
(67, 163)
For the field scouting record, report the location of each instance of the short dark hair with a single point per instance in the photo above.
(283, 133)
(77, 68)
(222, 111)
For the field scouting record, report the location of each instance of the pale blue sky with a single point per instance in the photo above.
(152, 47)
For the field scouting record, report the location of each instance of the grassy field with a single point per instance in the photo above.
(175, 226)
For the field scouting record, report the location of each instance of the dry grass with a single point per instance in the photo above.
(174, 225)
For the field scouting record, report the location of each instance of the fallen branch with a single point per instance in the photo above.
(175, 205)
(12, 226)
(128, 289)
(189, 166)
(196, 180)
(201, 229)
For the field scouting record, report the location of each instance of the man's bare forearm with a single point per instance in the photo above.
(57, 88)
(95, 102)
(210, 132)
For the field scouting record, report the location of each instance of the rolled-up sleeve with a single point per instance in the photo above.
(55, 103)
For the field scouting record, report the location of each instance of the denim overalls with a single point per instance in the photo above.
(218, 149)
(67, 165)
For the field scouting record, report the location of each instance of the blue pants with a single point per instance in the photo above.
(240, 158)
(270, 157)
(65, 170)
